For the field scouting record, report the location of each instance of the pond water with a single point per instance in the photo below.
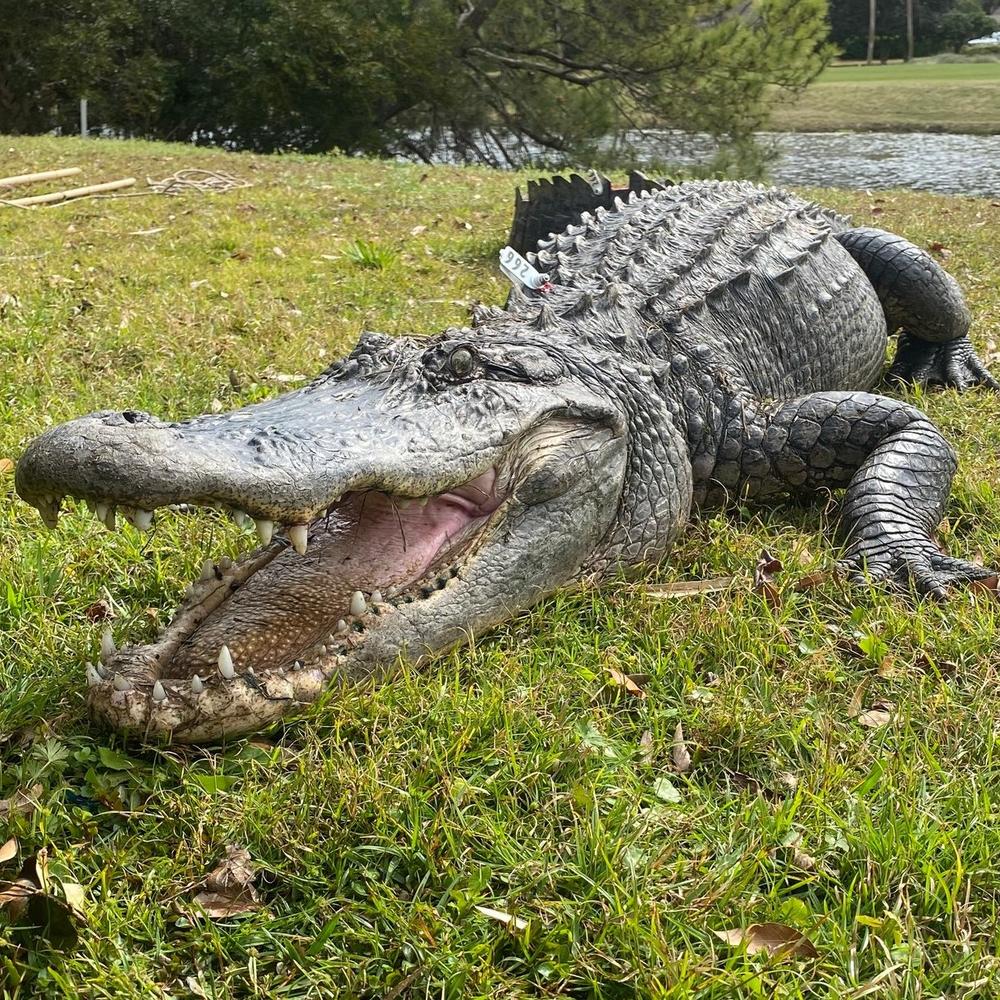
(925, 161)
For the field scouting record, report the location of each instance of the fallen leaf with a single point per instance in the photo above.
(811, 580)
(99, 611)
(23, 802)
(679, 751)
(880, 714)
(776, 940)
(629, 682)
(763, 578)
(517, 923)
(6, 465)
(9, 850)
(417, 230)
(988, 585)
(646, 747)
(228, 889)
(688, 588)
(277, 251)
(241, 255)
(939, 250)
(14, 897)
(665, 790)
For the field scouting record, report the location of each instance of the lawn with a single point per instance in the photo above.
(393, 827)
(921, 96)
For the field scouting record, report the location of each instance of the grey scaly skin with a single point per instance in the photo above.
(705, 343)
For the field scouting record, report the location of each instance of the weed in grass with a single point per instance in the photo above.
(370, 255)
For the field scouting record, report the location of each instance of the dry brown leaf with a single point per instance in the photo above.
(99, 611)
(777, 940)
(9, 850)
(880, 714)
(14, 897)
(23, 802)
(228, 889)
(988, 585)
(811, 580)
(515, 923)
(646, 747)
(679, 751)
(6, 466)
(629, 682)
(765, 571)
(688, 588)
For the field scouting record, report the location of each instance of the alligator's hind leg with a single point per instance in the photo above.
(925, 304)
(894, 462)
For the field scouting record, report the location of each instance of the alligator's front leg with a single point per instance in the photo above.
(895, 464)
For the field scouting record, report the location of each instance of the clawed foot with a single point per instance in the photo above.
(953, 365)
(906, 564)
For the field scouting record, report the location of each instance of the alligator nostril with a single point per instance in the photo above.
(133, 416)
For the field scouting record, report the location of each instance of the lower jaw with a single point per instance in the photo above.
(194, 690)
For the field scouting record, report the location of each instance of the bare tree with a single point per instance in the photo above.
(909, 30)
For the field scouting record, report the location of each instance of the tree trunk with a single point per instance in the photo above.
(871, 31)
(909, 30)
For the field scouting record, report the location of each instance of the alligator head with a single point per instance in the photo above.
(414, 494)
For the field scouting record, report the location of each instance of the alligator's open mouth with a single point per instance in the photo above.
(283, 620)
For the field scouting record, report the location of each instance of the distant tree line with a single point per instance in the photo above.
(905, 28)
(478, 80)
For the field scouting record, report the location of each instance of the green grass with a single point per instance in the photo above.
(507, 775)
(921, 96)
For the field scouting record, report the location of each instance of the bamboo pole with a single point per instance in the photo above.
(45, 175)
(57, 196)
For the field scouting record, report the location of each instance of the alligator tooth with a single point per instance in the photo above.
(207, 570)
(121, 683)
(298, 534)
(93, 677)
(240, 518)
(158, 693)
(197, 684)
(265, 530)
(225, 564)
(101, 512)
(108, 648)
(341, 627)
(91, 506)
(143, 520)
(358, 606)
(103, 671)
(376, 597)
(297, 665)
(109, 517)
(226, 667)
(319, 650)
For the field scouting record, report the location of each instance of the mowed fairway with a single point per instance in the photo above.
(898, 97)
(518, 776)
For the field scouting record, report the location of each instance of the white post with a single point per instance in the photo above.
(83, 117)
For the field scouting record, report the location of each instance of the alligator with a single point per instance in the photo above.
(689, 347)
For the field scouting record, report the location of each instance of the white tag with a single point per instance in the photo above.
(519, 270)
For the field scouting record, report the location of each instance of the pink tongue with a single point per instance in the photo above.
(294, 602)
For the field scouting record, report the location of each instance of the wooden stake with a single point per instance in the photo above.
(45, 175)
(57, 196)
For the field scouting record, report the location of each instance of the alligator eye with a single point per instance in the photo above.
(462, 362)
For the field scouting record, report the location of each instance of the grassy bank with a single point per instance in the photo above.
(921, 96)
(513, 776)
